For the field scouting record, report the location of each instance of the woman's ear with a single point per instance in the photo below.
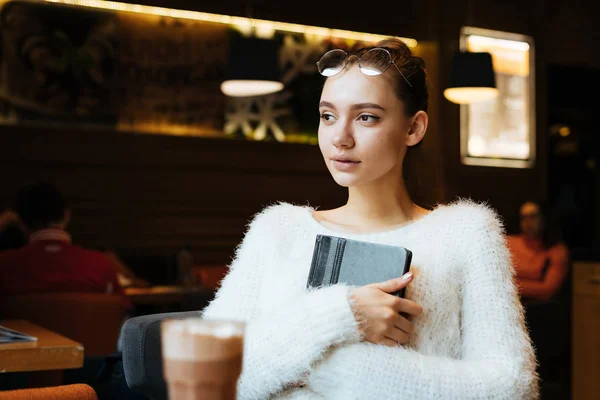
(417, 129)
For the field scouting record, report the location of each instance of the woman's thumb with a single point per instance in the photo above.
(393, 285)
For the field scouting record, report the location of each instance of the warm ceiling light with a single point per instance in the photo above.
(564, 131)
(251, 75)
(258, 24)
(249, 87)
(487, 42)
(466, 95)
(472, 78)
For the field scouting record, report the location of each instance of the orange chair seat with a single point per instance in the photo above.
(65, 392)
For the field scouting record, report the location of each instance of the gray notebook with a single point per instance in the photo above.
(357, 263)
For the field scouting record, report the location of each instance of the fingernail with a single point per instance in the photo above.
(407, 276)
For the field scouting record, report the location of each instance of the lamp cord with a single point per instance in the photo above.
(249, 9)
(249, 12)
(470, 12)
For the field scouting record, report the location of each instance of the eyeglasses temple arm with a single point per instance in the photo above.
(401, 74)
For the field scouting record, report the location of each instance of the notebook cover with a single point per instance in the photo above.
(356, 263)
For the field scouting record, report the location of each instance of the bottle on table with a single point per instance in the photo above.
(185, 264)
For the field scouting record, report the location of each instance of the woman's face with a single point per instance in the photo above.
(363, 128)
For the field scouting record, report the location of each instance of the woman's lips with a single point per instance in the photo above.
(345, 164)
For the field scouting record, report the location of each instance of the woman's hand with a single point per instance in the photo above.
(384, 318)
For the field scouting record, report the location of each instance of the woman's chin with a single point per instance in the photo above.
(344, 180)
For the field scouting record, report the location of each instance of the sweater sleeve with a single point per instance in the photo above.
(496, 362)
(281, 346)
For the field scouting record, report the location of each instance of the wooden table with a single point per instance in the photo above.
(50, 352)
(163, 295)
(585, 337)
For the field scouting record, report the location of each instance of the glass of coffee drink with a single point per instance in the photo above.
(202, 359)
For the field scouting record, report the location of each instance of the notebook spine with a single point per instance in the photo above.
(315, 258)
(337, 262)
(408, 260)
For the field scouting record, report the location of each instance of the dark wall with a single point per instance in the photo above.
(573, 161)
(571, 34)
(150, 195)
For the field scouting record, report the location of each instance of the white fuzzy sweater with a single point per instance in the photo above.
(469, 343)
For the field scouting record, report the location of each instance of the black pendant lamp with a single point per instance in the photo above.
(472, 78)
(253, 68)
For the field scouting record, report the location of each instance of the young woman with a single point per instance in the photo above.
(458, 334)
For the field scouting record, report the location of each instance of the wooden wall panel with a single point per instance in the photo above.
(149, 195)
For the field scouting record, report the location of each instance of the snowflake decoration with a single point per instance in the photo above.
(299, 55)
(240, 116)
(267, 116)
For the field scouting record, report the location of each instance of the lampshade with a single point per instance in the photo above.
(472, 78)
(253, 68)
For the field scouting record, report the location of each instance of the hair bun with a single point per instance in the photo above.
(397, 45)
(412, 88)
(419, 62)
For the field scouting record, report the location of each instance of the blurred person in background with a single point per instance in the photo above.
(541, 260)
(127, 278)
(542, 264)
(50, 262)
(13, 235)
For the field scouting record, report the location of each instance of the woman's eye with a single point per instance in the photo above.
(327, 117)
(368, 118)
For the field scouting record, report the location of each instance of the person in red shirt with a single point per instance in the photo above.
(541, 261)
(50, 262)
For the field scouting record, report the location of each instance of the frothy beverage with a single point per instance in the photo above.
(202, 359)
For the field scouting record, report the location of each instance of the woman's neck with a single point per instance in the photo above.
(380, 205)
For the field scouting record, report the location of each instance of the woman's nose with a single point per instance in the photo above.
(344, 137)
